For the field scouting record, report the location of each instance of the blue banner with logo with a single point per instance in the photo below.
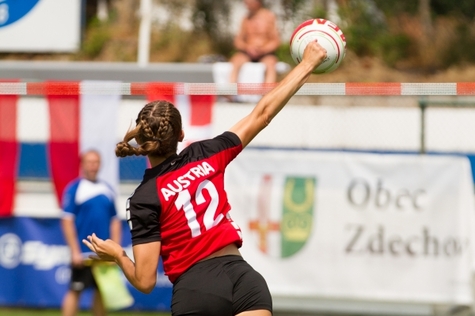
(34, 267)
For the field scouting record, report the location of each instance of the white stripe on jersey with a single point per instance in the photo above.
(88, 190)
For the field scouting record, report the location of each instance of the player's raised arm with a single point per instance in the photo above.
(268, 107)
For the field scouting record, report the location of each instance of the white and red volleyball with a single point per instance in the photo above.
(328, 35)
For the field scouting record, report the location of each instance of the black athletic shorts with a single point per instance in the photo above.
(258, 58)
(221, 286)
(81, 278)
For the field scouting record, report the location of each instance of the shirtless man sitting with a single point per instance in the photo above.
(257, 41)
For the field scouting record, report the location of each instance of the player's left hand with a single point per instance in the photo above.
(106, 250)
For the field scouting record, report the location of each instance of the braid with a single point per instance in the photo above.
(157, 131)
(147, 131)
(164, 126)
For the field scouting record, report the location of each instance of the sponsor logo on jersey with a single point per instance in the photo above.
(183, 181)
(282, 229)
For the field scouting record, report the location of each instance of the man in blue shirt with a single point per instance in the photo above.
(88, 206)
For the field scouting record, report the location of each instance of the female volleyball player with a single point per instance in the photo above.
(180, 210)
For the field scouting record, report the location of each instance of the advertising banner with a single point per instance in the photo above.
(348, 226)
(393, 228)
(34, 267)
(40, 25)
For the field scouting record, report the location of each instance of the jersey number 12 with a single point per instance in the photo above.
(183, 202)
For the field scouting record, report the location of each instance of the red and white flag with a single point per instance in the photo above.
(79, 122)
(196, 113)
(9, 153)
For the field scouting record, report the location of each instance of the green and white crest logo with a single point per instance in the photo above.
(284, 218)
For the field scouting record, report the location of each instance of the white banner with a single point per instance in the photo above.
(97, 132)
(40, 25)
(392, 228)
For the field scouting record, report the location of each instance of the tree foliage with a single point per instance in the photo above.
(429, 34)
(407, 33)
(211, 17)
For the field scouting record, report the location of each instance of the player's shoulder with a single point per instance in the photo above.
(69, 193)
(265, 12)
(228, 137)
(212, 146)
(73, 185)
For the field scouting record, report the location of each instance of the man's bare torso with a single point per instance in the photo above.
(259, 28)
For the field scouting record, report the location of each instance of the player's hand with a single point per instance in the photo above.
(77, 259)
(106, 250)
(314, 54)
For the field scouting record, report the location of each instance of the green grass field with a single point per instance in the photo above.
(57, 312)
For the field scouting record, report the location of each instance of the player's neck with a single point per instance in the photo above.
(254, 13)
(156, 160)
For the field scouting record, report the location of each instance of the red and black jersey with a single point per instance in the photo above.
(183, 204)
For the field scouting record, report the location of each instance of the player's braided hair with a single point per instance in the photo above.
(157, 131)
